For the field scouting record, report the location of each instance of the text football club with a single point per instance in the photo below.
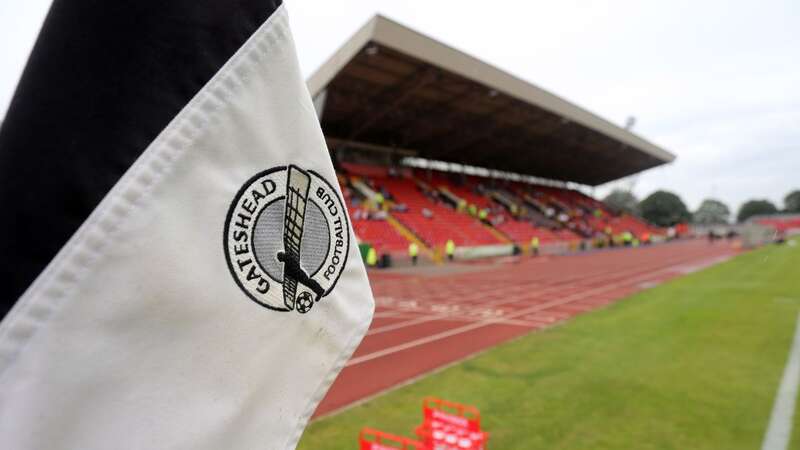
(287, 238)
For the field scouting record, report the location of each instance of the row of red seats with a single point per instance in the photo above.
(379, 233)
(465, 230)
(445, 222)
(522, 232)
(463, 191)
(781, 223)
(519, 231)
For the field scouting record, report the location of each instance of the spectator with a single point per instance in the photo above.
(627, 237)
(450, 249)
(372, 257)
(535, 246)
(427, 213)
(498, 220)
(413, 251)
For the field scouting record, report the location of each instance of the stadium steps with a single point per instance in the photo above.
(362, 188)
(499, 234)
(412, 237)
(507, 200)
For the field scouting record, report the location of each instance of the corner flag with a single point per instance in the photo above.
(188, 274)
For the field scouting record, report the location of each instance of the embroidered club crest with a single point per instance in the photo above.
(286, 238)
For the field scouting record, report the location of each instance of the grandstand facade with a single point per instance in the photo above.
(433, 145)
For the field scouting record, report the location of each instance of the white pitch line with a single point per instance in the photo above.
(779, 431)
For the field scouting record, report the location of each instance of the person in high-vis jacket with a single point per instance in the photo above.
(413, 251)
(450, 249)
(372, 257)
(534, 246)
(627, 237)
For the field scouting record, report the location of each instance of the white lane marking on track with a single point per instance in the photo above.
(779, 430)
(670, 267)
(522, 312)
(691, 268)
(544, 293)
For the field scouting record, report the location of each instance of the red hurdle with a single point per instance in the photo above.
(445, 425)
(370, 439)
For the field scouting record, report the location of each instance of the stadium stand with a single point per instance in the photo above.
(381, 234)
(435, 206)
(785, 223)
(368, 226)
(418, 207)
(390, 93)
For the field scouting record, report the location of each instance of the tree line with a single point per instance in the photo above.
(665, 208)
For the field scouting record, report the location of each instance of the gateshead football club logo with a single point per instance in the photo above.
(286, 238)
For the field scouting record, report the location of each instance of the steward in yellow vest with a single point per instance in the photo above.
(450, 249)
(372, 257)
(413, 251)
(535, 246)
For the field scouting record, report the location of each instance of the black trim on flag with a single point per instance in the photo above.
(104, 78)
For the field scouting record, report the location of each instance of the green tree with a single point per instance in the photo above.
(621, 200)
(664, 209)
(754, 208)
(791, 203)
(712, 212)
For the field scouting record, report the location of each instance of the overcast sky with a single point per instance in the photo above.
(715, 82)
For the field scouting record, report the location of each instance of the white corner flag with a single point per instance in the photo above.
(212, 296)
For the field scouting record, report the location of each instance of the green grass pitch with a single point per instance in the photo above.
(691, 364)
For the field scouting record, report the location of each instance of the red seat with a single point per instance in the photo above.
(381, 234)
(464, 229)
(445, 224)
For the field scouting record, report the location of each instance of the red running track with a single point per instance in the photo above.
(426, 318)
